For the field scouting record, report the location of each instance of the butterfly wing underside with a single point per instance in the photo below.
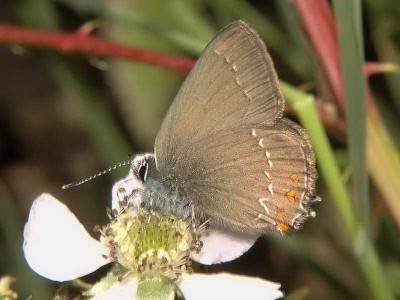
(224, 143)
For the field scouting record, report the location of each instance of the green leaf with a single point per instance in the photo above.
(348, 17)
(392, 271)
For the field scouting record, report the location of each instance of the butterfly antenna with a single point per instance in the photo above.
(74, 184)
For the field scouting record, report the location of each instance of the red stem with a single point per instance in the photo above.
(319, 23)
(81, 42)
(89, 45)
(373, 68)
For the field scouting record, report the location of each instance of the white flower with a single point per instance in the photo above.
(58, 247)
(206, 286)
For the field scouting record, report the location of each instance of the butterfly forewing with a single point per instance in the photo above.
(232, 83)
(224, 144)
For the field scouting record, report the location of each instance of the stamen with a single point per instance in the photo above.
(153, 242)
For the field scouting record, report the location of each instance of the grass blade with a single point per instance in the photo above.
(348, 17)
(363, 247)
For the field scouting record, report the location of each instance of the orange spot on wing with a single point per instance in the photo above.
(283, 226)
(280, 217)
(295, 177)
(291, 195)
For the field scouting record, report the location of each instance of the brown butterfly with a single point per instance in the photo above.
(224, 152)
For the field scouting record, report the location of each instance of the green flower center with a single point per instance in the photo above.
(152, 243)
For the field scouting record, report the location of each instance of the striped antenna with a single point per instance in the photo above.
(74, 184)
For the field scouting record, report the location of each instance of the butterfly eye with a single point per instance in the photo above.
(143, 172)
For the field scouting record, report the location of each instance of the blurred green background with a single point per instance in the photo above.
(64, 117)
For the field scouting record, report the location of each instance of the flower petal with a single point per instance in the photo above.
(56, 245)
(227, 286)
(234, 245)
(126, 290)
(125, 187)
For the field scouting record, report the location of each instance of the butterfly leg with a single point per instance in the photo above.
(193, 216)
(151, 209)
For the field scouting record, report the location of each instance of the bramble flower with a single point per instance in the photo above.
(5, 288)
(153, 251)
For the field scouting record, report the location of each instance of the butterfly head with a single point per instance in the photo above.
(143, 166)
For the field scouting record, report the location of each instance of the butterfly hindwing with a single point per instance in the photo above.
(256, 179)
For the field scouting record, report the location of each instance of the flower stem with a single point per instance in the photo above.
(155, 288)
(80, 284)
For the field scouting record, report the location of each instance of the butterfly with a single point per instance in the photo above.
(224, 152)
